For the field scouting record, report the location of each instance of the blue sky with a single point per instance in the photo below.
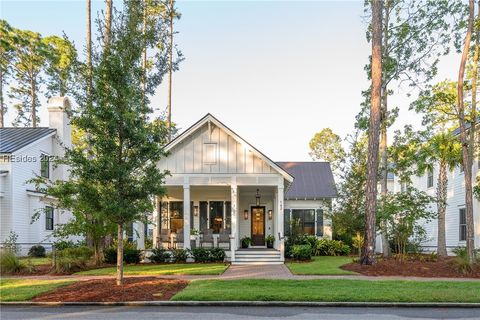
(275, 72)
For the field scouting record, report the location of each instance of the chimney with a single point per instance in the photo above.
(58, 108)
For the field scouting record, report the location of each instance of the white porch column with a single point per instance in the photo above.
(141, 235)
(186, 216)
(279, 222)
(234, 226)
(156, 223)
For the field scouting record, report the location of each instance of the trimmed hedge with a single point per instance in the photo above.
(37, 251)
(130, 255)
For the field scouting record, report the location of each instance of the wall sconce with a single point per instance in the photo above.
(257, 198)
(270, 214)
(195, 211)
(245, 214)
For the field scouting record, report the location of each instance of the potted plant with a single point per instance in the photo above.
(270, 239)
(246, 241)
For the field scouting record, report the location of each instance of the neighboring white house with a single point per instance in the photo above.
(222, 189)
(25, 153)
(455, 223)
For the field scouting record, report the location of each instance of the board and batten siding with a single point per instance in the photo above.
(231, 156)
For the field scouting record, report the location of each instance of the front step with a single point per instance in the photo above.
(257, 257)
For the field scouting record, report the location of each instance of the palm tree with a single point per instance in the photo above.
(445, 149)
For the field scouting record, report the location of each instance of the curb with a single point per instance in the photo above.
(251, 304)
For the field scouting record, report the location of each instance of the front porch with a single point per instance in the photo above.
(206, 216)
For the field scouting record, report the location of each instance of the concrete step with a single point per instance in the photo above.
(256, 262)
(255, 256)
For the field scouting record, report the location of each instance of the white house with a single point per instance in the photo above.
(24, 154)
(222, 189)
(455, 223)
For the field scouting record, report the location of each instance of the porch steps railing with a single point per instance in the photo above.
(253, 256)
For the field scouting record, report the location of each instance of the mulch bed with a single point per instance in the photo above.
(413, 268)
(105, 290)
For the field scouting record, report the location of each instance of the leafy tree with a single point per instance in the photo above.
(402, 213)
(368, 250)
(445, 149)
(467, 146)
(61, 61)
(30, 58)
(7, 54)
(326, 145)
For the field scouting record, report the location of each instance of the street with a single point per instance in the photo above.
(231, 313)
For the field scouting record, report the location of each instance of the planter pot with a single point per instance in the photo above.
(270, 245)
(244, 246)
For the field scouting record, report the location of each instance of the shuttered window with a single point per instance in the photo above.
(463, 225)
(48, 218)
(286, 222)
(319, 222)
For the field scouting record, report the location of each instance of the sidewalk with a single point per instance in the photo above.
(235, 272)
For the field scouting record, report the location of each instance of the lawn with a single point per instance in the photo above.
(162, 269)
(26, 289)
(321, 266)
(331, 290)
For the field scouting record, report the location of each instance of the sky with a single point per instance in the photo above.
(275, 72)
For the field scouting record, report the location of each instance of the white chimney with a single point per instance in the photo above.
(58, 108)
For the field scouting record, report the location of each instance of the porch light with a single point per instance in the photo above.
(270, 214)
(245, 214)
(195, 211)
(257, 198)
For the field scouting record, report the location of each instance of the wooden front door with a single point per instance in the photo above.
(258, 226)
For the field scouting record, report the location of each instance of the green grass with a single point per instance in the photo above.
(162, 269)
(321, 266)
(36, 261)
(26, 289)
(330, 290)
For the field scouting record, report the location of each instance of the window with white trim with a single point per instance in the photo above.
(462, 225)
(430, 178)
(45, 165)
(49, 218)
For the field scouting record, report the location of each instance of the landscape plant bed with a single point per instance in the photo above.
(322, 265)
(105, 290)
(413, 268)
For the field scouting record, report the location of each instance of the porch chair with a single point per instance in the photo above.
(224, 237)
(165, 237)
(178, 238)
(207, 237)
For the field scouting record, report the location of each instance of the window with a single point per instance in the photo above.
(44, 165)
(192, 223)
(319, 223)
(203, 216)
(304, 220)
(228, 215)
(209, 153)
(430, 178)
(463, 225)
(216, 216)
(48, 218)
(403, 187)
(176, 216)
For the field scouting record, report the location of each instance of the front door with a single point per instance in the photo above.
(258, 226)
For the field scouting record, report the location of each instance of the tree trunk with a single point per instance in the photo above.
(472, 134)
(108, 23)
(34, 106)
(368, 250)
(120, 255)
(465, 142)
(144, 55)
(89, 52)
(170, 71)
(2, 106)
(441, 209)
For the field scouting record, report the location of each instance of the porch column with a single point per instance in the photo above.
(157, 219)
(234, 222)
(279, 222)
(186, 216)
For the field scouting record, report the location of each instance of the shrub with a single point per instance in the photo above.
(326, 247)
(201, 255)
(64, 244)
(302, 252)
(130, 255)
(461, 260)
(179, 255)
(37, 251)
(9, 263)
(160, 255)
(10, 243)
(72, 259)
(217, 254)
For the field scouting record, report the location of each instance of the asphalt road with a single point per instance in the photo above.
(230, 313)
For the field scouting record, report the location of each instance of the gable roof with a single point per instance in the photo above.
(210, 118)
(313, 180)
(13, 139)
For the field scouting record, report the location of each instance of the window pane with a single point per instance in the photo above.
(203, 216)
(319, 222)
(176, 216)
(216, 216)
(286, 222)
(305, 219)
(44, 166)
(463, 225)
(48, 218)
(191, 216)
(228, 215)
